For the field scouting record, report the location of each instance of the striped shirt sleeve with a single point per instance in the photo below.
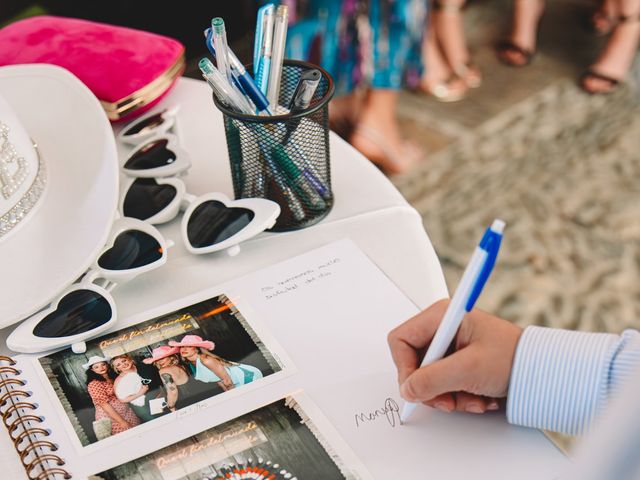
(561, 379)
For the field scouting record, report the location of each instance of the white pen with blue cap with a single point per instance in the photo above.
(473, 280)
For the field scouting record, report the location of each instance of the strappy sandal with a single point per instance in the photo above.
(508, 46)
(612, 83)
(391, 162)
(443, 91)
(469, 73)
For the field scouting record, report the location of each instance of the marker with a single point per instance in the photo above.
(277, 57)
(297, 178)
(307, 85)
(473, 280)
(301, 99)
(310, 172)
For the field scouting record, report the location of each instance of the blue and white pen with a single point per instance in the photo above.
(248, 85)
(473, 279)
(264, 67)
(241, 77)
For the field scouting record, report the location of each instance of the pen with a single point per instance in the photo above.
(266, 46)
(231, 98)
(301, 99)
(257, 41)
(247, 83)
(277, 57)
(310, 173)
(241, 79)
(293, 202)
(222, 88)
(297, 178)
(220, 44)
(471, 284)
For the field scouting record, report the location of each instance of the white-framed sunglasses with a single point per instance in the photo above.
(87, 307)
(159, 156)
(150, 125)
(211, 222)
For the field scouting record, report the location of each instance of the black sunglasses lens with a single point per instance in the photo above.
(153, 155)
(79, 311)
(145, 125)
(213, 222)
(131, 249)
(146, 197)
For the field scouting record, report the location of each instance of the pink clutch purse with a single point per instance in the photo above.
(128, 70)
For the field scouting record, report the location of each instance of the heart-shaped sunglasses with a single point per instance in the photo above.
(87, 307)
(148, 126)
(153, 192)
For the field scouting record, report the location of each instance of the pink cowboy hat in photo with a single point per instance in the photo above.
(193, 341)
(159, 353)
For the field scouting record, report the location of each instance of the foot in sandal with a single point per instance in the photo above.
(449, 29)
(438, 79)
(611, 68)
(519, 49)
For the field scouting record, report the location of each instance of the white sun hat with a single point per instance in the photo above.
(57, 201)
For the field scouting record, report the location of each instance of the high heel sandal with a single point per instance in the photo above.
(467, 71)
(612, 83)
(389, 160)
(509, 46)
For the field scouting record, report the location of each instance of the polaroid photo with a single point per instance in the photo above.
(286, 439)
(182, 362)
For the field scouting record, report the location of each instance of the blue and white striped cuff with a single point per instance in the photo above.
(559, 379)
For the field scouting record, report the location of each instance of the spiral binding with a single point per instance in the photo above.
(12, 401)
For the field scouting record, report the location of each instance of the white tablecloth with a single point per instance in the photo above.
(368, 209)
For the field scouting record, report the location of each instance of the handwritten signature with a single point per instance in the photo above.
(390, 411)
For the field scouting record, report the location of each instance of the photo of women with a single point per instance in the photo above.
(182, 388)
(211, 368)
(133, 376)
(112, 415)
(135, 385)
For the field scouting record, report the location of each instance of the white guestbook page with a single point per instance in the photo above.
(331, 310)
(325, 316)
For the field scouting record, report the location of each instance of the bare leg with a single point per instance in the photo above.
(605, 17)
(377, 134)
(526, 16)
(616, 58)
(450, 34)
(438, 78)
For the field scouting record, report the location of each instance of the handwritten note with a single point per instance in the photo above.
(310, 276)
(389, 411)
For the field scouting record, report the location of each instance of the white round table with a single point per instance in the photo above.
(367, 209)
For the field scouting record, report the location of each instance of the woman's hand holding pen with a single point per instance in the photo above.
(472, 377)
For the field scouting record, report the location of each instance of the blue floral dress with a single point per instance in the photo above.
(374, 43)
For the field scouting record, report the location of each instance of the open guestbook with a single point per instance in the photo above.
(282, 374)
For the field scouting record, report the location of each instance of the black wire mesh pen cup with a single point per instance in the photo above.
(284, 158)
